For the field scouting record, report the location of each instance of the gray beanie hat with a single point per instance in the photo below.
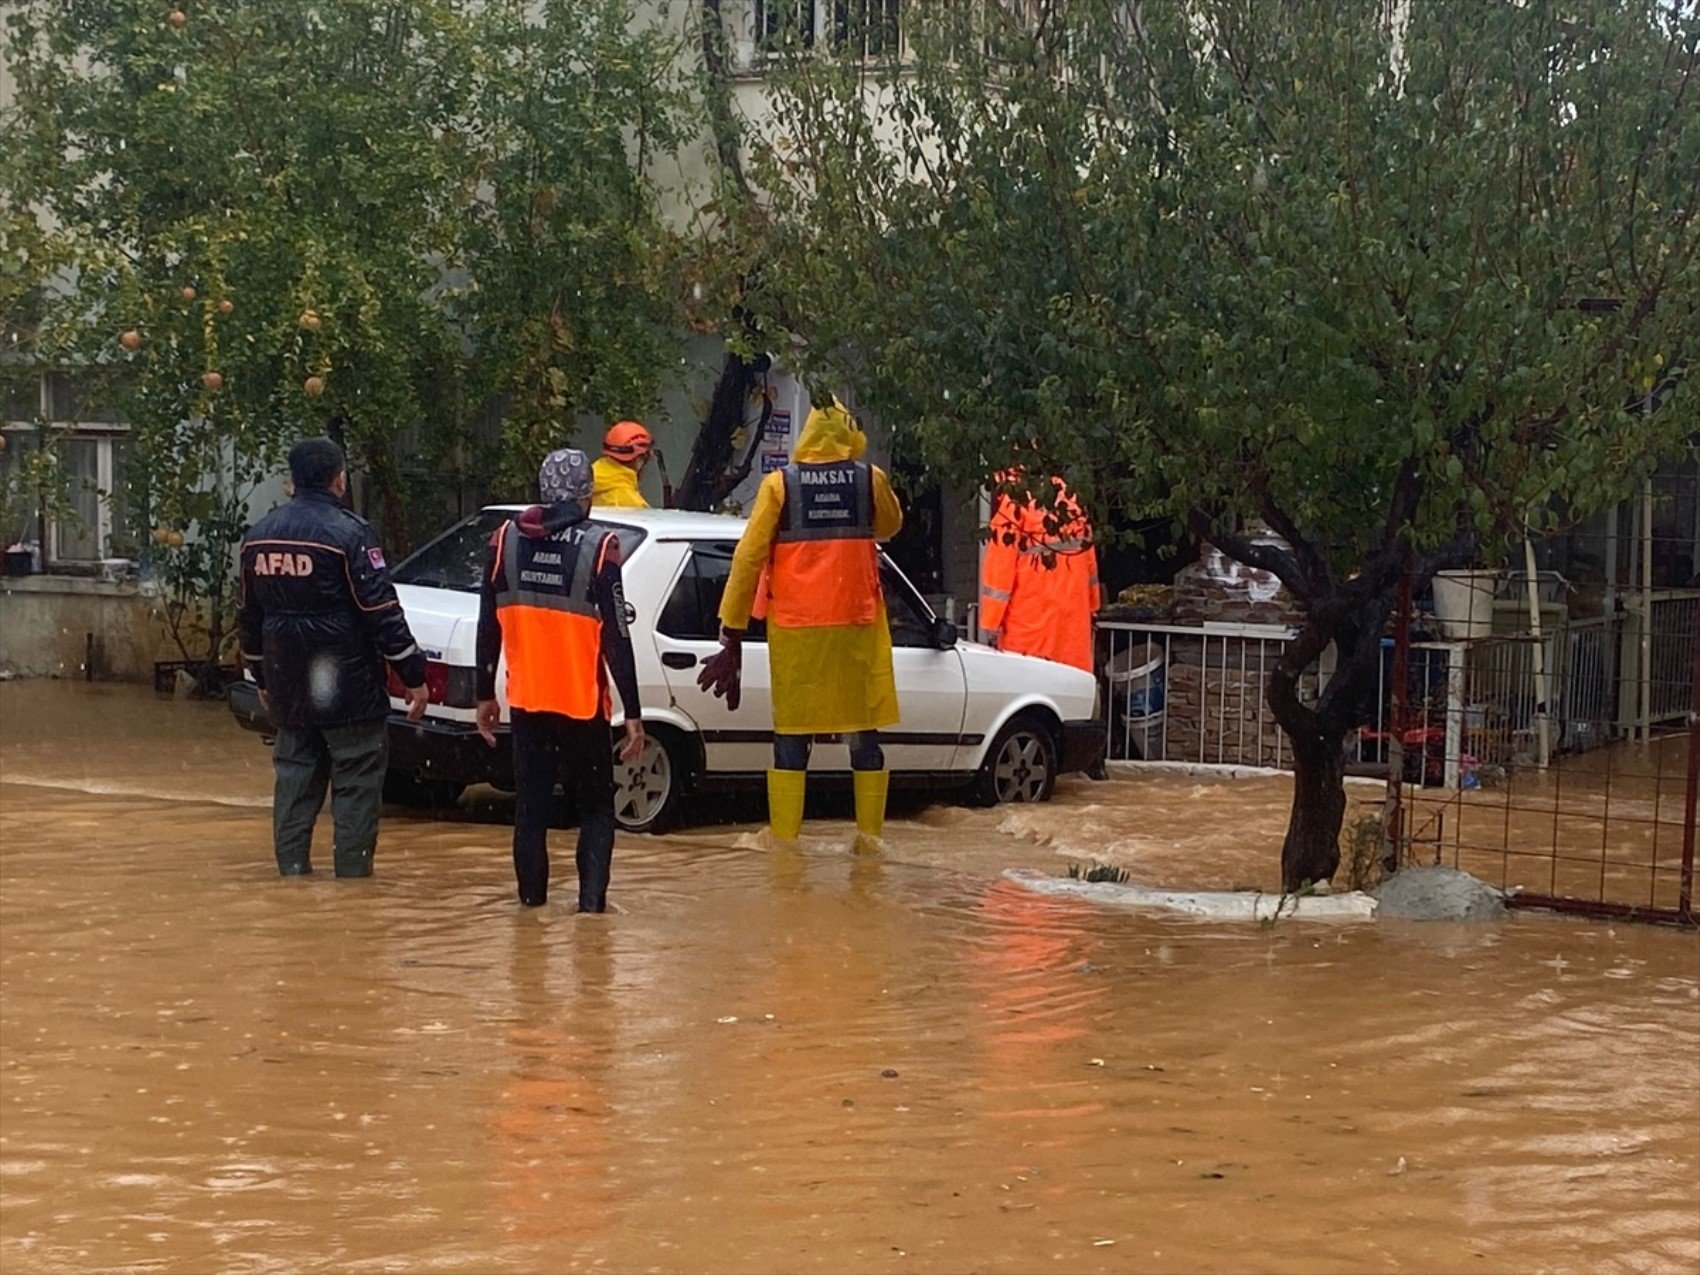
(565, 476)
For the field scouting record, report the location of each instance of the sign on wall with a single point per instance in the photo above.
(776, 442)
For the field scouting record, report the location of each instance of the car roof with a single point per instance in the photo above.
(663, 524)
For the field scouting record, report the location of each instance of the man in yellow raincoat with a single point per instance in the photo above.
(626, 449)
(811, 548)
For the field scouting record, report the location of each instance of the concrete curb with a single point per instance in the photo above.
(1216, 905)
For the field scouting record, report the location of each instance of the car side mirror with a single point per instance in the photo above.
(943, 634)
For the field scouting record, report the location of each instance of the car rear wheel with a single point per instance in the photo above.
(647, 791)
(424, 794)
(1020, 766)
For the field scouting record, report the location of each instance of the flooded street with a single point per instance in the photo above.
(787, 1061)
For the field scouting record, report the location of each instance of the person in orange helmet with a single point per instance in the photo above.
(1039, 581)
(626, 449)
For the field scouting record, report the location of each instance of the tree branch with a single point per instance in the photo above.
(1402, 508)
(1271, 558)
(1456, 552)
(1299, 720)
(717, 71)
(741, 471)
(1310, 558)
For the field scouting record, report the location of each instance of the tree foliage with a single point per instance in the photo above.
(1390, 280)
(575, 275)
(367, 218)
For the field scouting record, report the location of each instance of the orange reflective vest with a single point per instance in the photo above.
(551, 627)
(825, 566)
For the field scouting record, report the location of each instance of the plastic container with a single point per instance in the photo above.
(1138, 691)
(1463, 603)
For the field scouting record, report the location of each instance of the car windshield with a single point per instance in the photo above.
(692, 612)
(455, 559)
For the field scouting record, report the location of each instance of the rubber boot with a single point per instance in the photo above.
(870, 788)
(353, 864)
(785, 789)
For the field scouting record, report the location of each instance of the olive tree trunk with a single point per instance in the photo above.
(720, 458)
(1311, 850)
(1350, 613)
(1318, 728)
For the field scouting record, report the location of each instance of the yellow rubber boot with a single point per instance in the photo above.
(785, 789)
(870, 788)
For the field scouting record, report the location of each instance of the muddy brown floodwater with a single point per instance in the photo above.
(787, 1062)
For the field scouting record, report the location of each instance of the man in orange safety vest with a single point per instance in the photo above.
(553, 608)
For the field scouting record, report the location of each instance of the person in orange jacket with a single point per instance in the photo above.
(1039, 580)
(552, 609)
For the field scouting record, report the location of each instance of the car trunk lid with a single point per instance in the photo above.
(445, 625)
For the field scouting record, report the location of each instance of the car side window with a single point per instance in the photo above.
(682, 616)
(457, 558)
(692, 613)
(910, 624)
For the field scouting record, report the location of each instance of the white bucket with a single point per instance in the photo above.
(1463, 603)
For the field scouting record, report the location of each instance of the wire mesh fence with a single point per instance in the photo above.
(1531, 763)
(1559, 764)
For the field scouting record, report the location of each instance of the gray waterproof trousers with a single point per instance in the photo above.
(351, 761)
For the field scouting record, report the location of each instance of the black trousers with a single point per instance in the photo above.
(350, 761)
(579, 755)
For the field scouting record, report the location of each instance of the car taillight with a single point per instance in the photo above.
(451, 685)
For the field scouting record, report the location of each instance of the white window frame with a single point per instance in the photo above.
(105, 435)
(106, 480)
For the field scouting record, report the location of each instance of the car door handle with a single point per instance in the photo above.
(679, 659)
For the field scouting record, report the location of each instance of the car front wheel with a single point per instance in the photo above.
(647, 791)
(1020, 766)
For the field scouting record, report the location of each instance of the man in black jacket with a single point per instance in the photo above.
(318, 620)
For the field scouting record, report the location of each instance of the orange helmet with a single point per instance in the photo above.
(627, 441)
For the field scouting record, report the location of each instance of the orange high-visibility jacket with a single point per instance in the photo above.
(825, 565)
(551, 628)
(1038, 586)
(833, 677)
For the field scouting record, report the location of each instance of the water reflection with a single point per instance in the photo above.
(809, 1060)
(551, 1124)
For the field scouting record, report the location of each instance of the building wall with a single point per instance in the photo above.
(46, 623)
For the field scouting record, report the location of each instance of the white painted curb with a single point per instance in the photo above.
(1219, 905)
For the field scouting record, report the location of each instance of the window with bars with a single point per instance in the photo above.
(868, 28)
(781, 24)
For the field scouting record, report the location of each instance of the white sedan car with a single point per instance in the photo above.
(992, 726)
